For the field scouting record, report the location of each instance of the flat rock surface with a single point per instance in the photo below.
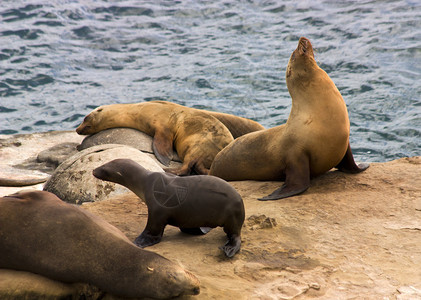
(347, 237)
(18, 155)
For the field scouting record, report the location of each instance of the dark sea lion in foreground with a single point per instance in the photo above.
(196, 136)
(186, 202)
(41, 234)
(314, 139)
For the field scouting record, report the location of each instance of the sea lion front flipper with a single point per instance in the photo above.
(232, 246)
(162, 146)
(348, 164)
(146, 239)
(297, 180)
(152, 234)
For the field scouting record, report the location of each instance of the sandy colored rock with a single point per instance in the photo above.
(73, 181)
(19, 152)
(56, 155)
(125, 136)
(348, 236)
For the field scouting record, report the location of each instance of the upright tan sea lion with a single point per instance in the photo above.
(196, 136)
(41, 234)
(186, 202)
(314, 139)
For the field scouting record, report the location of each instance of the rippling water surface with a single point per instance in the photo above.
(59, 59)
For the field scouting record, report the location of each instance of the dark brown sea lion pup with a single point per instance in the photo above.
(41, 234)
(185, 202)
(314, 139)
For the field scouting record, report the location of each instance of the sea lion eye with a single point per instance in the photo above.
(100, 109)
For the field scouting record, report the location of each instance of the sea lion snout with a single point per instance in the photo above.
(98, 173)
(305, 47)
(83, 129)
(188, 280)
(102, 173)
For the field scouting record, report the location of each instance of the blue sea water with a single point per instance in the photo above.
(59, 59)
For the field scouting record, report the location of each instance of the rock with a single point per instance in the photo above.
(124, 136)
(10, 176)
(260, 222)
(408, 293)
(346, 237)
(57, 154)
(73, 180)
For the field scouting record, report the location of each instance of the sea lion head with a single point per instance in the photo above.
(100, 118)
(113, 170)
(178, 282)
(302, 61)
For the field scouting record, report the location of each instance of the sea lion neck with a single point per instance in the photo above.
(134, 178)
(125, 172)
(301, 75)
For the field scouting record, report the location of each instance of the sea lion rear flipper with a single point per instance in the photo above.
(297, 180)
(162, 147)
(189, 167)
(348, 164)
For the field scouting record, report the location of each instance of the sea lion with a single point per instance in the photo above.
(238, 126)
(196, 136)
(186, 202)
(314, 139)
(41, 234)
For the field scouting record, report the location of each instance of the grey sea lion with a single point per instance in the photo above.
(41, 234)
(186, 202)
(314, 139)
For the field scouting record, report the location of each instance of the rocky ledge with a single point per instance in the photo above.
(348, 236)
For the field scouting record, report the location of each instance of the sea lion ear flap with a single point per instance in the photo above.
(162, 147)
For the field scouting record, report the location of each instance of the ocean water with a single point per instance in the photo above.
(59, 59)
